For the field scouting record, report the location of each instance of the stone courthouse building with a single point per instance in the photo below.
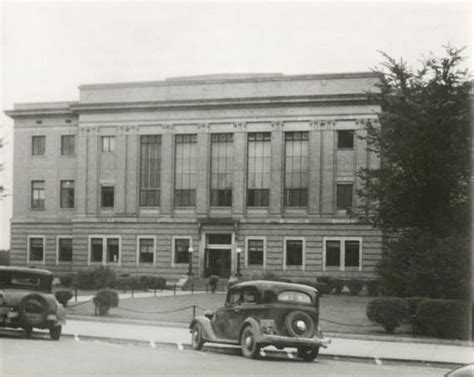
(141, 176)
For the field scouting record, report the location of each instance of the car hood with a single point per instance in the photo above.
(12, 297)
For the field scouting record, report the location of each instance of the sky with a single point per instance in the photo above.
(49, 49)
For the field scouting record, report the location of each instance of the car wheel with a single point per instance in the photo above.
(27, 331)
(299, 324)
(55, 332)
(248, 343)
(197, 340)
(33, 310)
(308, 354)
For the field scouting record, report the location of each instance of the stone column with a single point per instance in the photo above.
(203, 168)
(167, 176)
(276, 188)
(314, 188)
(121, 168)
(93, 160)
(239, 188)
(328, 144)
(81, 175)
(132, 166)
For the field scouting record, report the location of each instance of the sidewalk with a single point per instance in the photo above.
(342, 347)
(164, 293)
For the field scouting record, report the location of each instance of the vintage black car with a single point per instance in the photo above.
(263, 313)
(26, 301)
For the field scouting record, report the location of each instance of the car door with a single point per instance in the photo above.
(226, 319)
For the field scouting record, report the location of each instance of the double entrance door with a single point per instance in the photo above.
(218, 254)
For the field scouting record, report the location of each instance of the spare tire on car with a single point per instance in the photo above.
(300, 324)
(33, 310)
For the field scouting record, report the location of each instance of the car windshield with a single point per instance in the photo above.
(25, 280)
(294, 296)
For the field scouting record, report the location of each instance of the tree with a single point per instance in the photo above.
(420, 191)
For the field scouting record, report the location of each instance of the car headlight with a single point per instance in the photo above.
(301, 325)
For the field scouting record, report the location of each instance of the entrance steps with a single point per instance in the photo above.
(202, 285)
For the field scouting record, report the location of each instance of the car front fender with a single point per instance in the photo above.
(254, 324)
(208, 332)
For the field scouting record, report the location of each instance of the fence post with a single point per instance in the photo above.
(192, 287)
(75, 293)
(132, 292)
(194, 311)
(155, 292)
(174, 289)
(207, 288)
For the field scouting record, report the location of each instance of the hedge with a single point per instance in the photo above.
(373, 287)
(63, 296)
(443, 318)
(67, 280)
(388, 312)
(104, 300)
(355, 286)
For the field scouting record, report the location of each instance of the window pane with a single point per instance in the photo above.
(108, 144)
(65, 250)
(112, 250)
(36, 249)
(185, 170)
(255, 252)
(38, 145)
(344, 196)
(294, 253)
(296, 169)
(107, 196)
(222, 153)
(67, 194)
(258, 198)
(345, 139)
(37, 194)
(67, 145)
(258, 161)
(150, 170)
(181, 250)
(352, 249)
(333, 253)
(146, 254)
(219, 239)
(96, 249)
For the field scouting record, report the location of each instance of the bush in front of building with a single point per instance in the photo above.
(104, 277)
(322, 288)
(373, 288)
(104, 300)
(156, 282)
(336, 285)
(67, 280)
(270, 276)
(213, 280)
(388, 312)
(122, 283)
(443, 318)
(63, 296)
(355, 286)
(84, 279)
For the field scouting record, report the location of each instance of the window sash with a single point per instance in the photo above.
(333, 253)
(36, 249)
(352, 254)
(146, 250)
(107, 196)
(345, 139)
(150, 170)
(67, 194)
(258, 197)
(181, 250)
(113, 250)
(38, 145)
(65, 250)
(222, 169)
(255, 252)
(37, 194)
(108, 144)
(67, 145)
(344, 196)
(185, 170)
(258, 169)
(96, 250)
(294, 253)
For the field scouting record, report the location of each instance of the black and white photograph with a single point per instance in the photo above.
(236, 188)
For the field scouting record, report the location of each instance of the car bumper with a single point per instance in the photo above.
(286, 341)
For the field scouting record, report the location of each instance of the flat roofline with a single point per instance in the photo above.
(194, 80)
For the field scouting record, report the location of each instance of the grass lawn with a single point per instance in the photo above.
(335, 308)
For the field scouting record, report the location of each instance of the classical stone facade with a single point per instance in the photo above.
(134, 175)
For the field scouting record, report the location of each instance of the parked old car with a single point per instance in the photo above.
(26, 301)
(263, 313)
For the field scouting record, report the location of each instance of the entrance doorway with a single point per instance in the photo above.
(218, 254)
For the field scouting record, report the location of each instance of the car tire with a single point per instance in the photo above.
(308, 354)
(33, 310)
(27, 332)
(248, 343)
(55, 332)
(197, 340)
(293, 318)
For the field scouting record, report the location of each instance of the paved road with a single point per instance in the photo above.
(68, 357)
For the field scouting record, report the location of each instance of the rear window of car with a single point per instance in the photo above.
(295, 297)
(24, 280)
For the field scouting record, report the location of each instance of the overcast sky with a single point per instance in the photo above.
(48, 49)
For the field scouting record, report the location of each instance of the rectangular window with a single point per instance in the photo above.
(296, 169)
(344, 196)
(345, 139)
(150, 170)
(181, 250)
(113, 250)
(65, 249)
(185, 171)
(96, 249)
(343, 253)
(107, 196)
(255, 252)
(37, 194)
(38, 145)
(333, 253)
(108, 144)
(222, 169)
(67, 145)
(294, 253)
(36, 249)
(146, 250)
(259, 167)
(67, 194)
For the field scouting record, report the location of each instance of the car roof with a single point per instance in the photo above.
(25, 269)
(275, 285)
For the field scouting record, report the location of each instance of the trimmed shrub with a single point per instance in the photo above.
(122, 283)
(324, 279)
(413, 303)
(63, 296)
(443, 318)
(389, 312)
(66, 280)
(104, 277)
(156, 282)
(373, 288)
(213, 280)
(355, 286)
(337, 285)
(104, 300)
(84, 279)
(134, 283)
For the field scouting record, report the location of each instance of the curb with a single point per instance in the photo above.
(235, 350)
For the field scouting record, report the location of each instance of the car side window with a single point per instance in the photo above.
(233, 297)
(249, 295)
